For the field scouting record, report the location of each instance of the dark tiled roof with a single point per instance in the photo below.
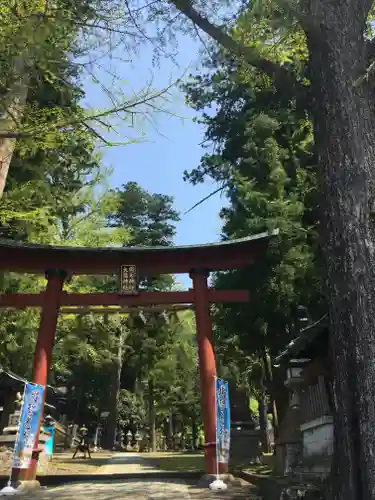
(138, 249)
(151, 261)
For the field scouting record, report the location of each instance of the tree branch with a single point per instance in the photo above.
(307, 23)
(14, 135)
(218, 190)
(146, 98)
(280, 76)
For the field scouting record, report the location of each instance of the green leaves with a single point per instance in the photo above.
(131, 410)
(261, 152)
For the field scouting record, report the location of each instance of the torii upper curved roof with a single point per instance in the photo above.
(231, 254)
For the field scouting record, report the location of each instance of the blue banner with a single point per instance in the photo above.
(222, 421)
(48, 445)
(28, 426)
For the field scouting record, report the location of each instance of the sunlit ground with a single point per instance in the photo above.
(62, 463)
(178, 462)
(190, 462)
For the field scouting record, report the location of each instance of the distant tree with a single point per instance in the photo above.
(151, 216)
(151, 219)
(163, 353)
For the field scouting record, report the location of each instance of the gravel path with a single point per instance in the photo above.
(127, 463)
(140, 489)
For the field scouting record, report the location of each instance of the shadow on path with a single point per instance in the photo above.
(128, 476)
(142, 489)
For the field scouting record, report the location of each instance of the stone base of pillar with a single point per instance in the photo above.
(208, 479)
(20, 488)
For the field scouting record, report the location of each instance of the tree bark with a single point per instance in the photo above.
(345, 145)
(152, 410)
(170, 431)
(262, 409)
(194, 432)
(34, 32)
(114, 392)
(79, 397)
(281, 77)
(268, 375)
(14, 103)
(263, 424)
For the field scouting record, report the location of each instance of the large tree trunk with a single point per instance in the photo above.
(32, 34)
(345, 145)
(269, 382)
(262, 409)
(263, 424)
(11, 112)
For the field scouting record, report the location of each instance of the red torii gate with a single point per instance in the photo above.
(59, 262)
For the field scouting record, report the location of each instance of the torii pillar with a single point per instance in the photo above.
(43, 354)
(207, 368)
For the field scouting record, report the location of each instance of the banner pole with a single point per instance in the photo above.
(218, 484)
(217, 437)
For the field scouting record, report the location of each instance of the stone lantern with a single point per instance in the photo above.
(295, 381)
(129, 438)
(137, 438)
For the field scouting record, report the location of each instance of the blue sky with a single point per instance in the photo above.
(170, 146)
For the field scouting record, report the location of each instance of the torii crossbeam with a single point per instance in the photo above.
(198, 261)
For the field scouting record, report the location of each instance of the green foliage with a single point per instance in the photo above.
(56, 194)
(132, 412)
(17, 339)
(165, 360)
(44, 180)
(150, 216)
(36, 38)
(177, 374)
(45, 50)
(261, 153)
(83, 358)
